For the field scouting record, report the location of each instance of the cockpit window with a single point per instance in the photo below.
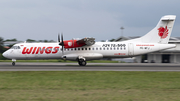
(15, 47)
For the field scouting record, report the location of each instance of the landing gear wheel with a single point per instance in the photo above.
(13, 63)
(82, 63)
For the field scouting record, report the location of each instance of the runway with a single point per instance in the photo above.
(6, 66)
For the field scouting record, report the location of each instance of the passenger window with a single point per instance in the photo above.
(85, 48)
(78, 48)
(89, 48)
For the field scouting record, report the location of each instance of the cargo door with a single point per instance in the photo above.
(131, 49)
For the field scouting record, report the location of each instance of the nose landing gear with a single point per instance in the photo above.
(13, 62)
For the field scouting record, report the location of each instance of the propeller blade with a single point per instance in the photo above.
(62, 42)
(58, 38)
(62, 39)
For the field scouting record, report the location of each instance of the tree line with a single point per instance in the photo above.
(2, 49)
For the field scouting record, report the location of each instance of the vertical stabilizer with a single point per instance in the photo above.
(162, 32)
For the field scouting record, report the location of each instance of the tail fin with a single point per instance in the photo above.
(162, 32)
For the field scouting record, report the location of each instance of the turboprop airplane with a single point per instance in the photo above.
(87, 49)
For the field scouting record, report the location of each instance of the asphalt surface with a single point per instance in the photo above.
(6, 66)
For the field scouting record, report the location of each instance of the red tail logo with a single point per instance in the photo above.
(163, 32)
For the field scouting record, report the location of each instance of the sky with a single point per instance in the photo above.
(101, 19)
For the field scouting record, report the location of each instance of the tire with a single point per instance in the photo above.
(13, 63)
(82, 63)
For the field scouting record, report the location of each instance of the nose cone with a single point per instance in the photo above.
(5, 54)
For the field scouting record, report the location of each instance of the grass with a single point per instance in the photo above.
(89, 86)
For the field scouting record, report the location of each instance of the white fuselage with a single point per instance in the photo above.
(97, 51)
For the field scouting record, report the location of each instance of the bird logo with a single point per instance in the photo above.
(163, 32)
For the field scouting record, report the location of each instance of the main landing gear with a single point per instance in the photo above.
(82, 62)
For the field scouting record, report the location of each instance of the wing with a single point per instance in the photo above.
(79, 43)
(86, 41)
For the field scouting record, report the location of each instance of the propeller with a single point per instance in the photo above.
(61, 43)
